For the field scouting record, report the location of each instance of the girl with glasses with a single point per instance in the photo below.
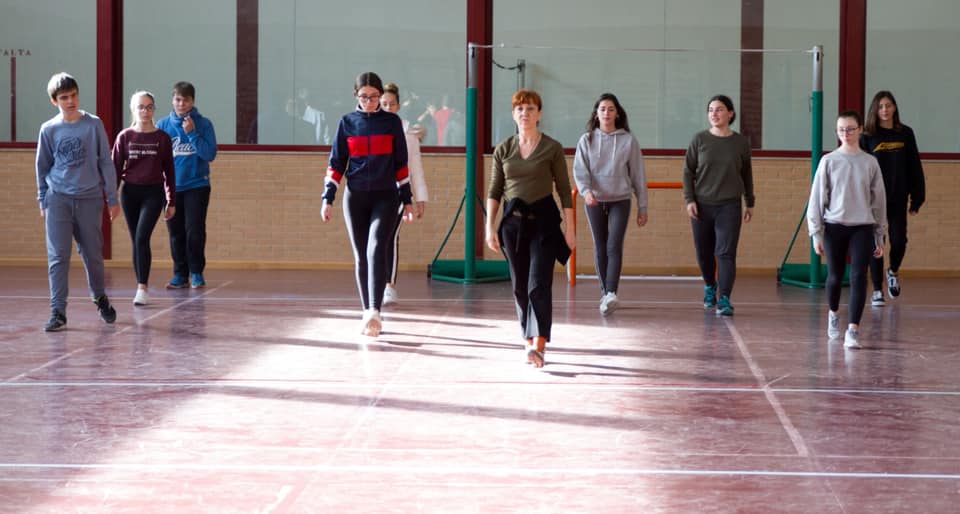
(370, 149)
(143, 157)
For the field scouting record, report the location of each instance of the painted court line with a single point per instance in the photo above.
(325, 384)
(768, 393)
(465, 470)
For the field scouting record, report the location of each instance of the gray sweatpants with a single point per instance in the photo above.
(67, 219)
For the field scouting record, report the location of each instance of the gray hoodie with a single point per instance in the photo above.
(611, 167)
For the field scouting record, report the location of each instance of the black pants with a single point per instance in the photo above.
(608, 224)
(188, 231)
(371, 217)
(838, 242)
(715, 238)
(142, 205)
(531, 259)
(393, 249)
(897, 229)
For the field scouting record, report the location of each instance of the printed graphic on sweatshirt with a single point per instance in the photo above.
(70, 153)
(185, 148)
(889, 146)
(139, 150)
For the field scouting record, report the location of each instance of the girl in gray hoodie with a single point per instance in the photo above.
(608, 169)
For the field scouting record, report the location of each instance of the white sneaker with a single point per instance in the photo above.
(609, 303)
(141, 298)
(852, 339)
(877, 299)
(833, 325)
(371, 323)
(390, 295)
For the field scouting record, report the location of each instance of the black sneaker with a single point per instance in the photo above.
(107, 313)
(58, 321)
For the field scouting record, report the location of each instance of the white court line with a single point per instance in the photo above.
(122, 330)
(768, 393)
(192, 299)
(42, 366)
(322, 384)
(463, 470)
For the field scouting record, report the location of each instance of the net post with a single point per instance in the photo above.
(470, 191)
(816, 144)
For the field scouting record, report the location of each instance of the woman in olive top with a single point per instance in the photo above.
(526, 169)
(716, 174)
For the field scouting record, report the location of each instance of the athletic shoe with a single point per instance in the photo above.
(852, 339)
(723, 306)
(107, 313)
(877, 299)
(609, 303)
(371, 323)
(141, 298)
(58, 321)
(709, 297)
(893, 283)
(196, 281)
(177, 282)
(390, 295)
(833, 325)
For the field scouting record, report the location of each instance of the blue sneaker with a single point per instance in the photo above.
(709, 297)
(177, 282)
(723, 306)
(196, 281)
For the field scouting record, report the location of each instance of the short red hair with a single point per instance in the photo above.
(526, 96)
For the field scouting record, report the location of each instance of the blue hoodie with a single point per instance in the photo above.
(192, 152)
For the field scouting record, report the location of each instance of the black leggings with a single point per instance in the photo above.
(142, 205)
(897, 225)
(838, 241)
(371, 217)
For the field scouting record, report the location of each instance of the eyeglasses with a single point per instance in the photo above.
(365, 98)
(146, 107)
(848, 130)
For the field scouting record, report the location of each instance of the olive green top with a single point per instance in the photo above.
(532, 178)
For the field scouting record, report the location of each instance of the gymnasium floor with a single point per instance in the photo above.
(257, 395)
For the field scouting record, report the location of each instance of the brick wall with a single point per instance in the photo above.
(264, 212)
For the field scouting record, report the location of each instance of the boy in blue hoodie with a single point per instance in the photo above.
(194, 147)
(74, 173)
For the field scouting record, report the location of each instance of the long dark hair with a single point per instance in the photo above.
(620, 122)
(873, 119)
(368, 78)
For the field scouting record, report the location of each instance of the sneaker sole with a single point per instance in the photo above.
(55, 329)
(197, 286)
(177, 286)
(852, 346)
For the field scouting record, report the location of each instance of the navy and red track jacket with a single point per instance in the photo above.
(370, 149)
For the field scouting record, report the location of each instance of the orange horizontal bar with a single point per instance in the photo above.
(664, 185)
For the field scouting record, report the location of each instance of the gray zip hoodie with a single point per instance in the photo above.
(611, 167)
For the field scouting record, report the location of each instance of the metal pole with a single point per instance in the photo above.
(470, 190)
(816, 145)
